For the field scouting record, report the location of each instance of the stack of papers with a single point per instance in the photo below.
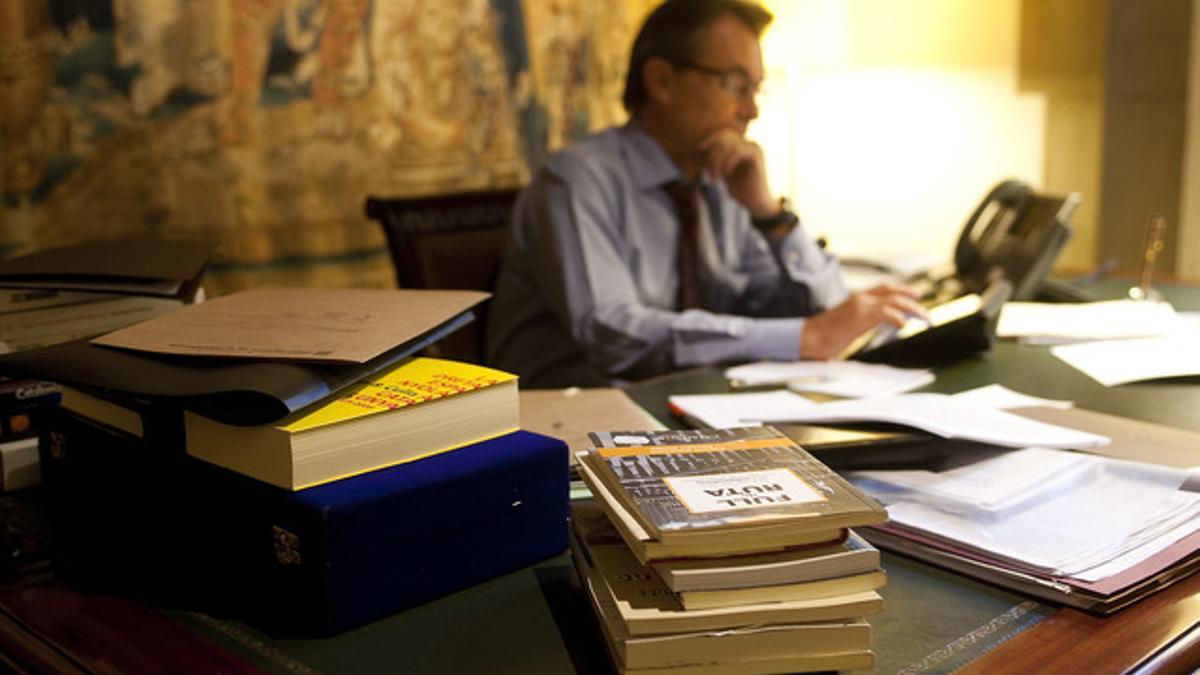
(1002, 398)
(846, 379)
(945, 416)
(725, 411)
(1120, 341)
(986, 489)
(1120, 361)
(1058, 323)
(1073, 522)
(938, 414)
(278, 349)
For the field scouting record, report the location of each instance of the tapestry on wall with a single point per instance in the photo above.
(264, 124)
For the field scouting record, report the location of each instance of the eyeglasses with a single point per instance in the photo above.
(734, 82)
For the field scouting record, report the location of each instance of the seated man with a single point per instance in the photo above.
(659, 245)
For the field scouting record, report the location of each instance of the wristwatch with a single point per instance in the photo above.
(786, 219)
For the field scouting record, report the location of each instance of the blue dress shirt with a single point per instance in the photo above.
(589, 277)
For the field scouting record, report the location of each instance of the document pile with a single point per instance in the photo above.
(724, 551)
(1113, 342)
(834, 378)
(1061, 323)
(65, 293)
(940, 414)
(1088, 531)
(60, 294)
(745, 409)
(304, 471)
(1114, 362)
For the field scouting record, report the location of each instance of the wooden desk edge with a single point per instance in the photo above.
(1158, 630)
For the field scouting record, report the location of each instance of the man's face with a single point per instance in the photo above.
(715, 90)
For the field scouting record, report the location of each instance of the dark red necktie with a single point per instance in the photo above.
(687, 203)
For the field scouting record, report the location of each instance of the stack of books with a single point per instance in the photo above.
(418, 408)
(72, 292)
(725, 550)
(284, 483)
(83, 290)
(19, 401)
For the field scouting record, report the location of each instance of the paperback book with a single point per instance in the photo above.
(418, 408)
(703, 543)
(805, 590)
(807, 573)
(646, 606)
(679, 483)
(853, 556)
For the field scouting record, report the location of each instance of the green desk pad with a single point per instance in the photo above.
(537, 620)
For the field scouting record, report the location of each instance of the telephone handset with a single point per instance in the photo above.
(1014, 233)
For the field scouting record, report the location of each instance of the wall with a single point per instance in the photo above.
(1188, 257)
(896, 116)
(1145, 123)
(1122, 124)
(263, 124)
(1070, 74)
(893, 119)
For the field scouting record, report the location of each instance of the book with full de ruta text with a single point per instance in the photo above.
(679, 484)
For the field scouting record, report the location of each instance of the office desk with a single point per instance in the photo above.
(1027, 369)
(1162, 633)
(1165, 626)
(536, 620)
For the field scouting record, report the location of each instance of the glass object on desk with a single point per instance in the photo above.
(1156, 229)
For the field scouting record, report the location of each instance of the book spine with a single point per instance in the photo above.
(19, 393)
(20, 401)
(19, 465)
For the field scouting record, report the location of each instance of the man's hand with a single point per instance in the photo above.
(826, 334)
(739, 162)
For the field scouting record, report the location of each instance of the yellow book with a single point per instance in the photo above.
(419, 408)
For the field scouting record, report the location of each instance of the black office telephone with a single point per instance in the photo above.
(1004, 252)
(1014, 233)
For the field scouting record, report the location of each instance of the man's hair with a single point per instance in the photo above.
(673, 32)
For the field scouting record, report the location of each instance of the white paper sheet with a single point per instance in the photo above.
(942, 415)
(1060, 322)
(721, 411)
(1116, 362)
(847, 379)
(992, 487)
(1002, 398)
(1064, 513)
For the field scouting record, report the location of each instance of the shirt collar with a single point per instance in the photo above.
(649, 165)
(647, 162)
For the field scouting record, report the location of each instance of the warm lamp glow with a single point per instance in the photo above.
(806, 36)
(888, 161)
